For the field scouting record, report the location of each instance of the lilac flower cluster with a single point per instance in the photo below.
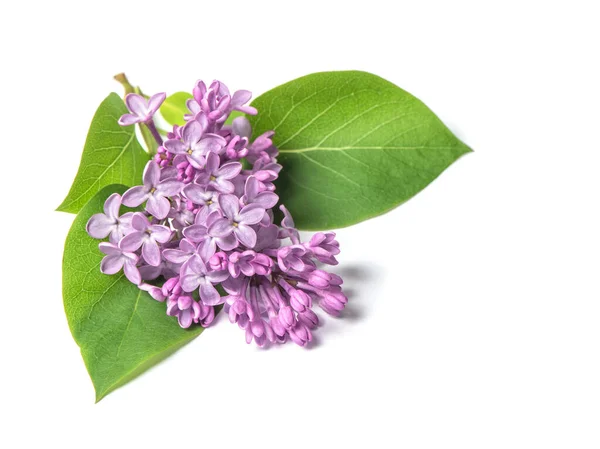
(208, 221)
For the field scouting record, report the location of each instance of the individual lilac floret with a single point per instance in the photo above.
(195, 274)
(208, 227)
(141, 110)
(154, 191)
(195, 144)
(147, 237)
(110, 223)
(117, 259)
(237, 221)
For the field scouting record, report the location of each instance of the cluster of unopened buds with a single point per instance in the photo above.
(207, 221)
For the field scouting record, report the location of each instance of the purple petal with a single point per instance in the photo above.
(227, 243)
(192, 132)
(211, 143)
(175, 146)
(187, 246)
(251, 188)
(266, 200)
(217, 276)
(251, 214)
(207, 248)
(158, 206)
(131, 272)
(195, 193)
(176, 255)
(139, 222)
(195, 232)
(151, 175)
(112, 205)
(246, 235)
(110, 249)
(229, 170)
(223, 186)
(112, 264)
(190, 282)
(185, 318)
(136, 104)
(151, 252)
(229, 205)
(128, 119)
(209, 295)
(99, 226)
(241, 97)
(155, 101)
(135, 196)
(169, 187)
(132, 242)
(194, 265)
(221, 228)
(212, 163)
(160, 233)
(241, 127)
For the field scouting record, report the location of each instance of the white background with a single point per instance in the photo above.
(474, 312)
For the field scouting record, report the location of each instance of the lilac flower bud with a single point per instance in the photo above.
(300, 334)
(218, 261)
(333, 302)
(286, 317)
(309, 318)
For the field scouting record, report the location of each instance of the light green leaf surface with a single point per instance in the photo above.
(352, 146)
(120, 329)
(174, 108)
(112, 154)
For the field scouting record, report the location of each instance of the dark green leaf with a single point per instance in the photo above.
(352, 146)
(112, 154)
(120, 329)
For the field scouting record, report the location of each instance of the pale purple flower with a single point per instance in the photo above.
(254, 195)
(195, 144)
(208, 222)
(249, 263)
(237, 221)
(199, 233)
(116, 259)
(292, 257)
(195, 274)
(217, 177)
(154, 191)
(110, 223)
(141, 110)
(148, 237)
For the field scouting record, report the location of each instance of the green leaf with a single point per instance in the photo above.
(174, 108)
(112, 154)
(120, 329)
(352, 146)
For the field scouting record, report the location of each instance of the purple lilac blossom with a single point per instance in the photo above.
(208, 222)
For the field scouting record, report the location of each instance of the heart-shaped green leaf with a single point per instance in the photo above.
(120, 329)
(352, 146)
(112, 154)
